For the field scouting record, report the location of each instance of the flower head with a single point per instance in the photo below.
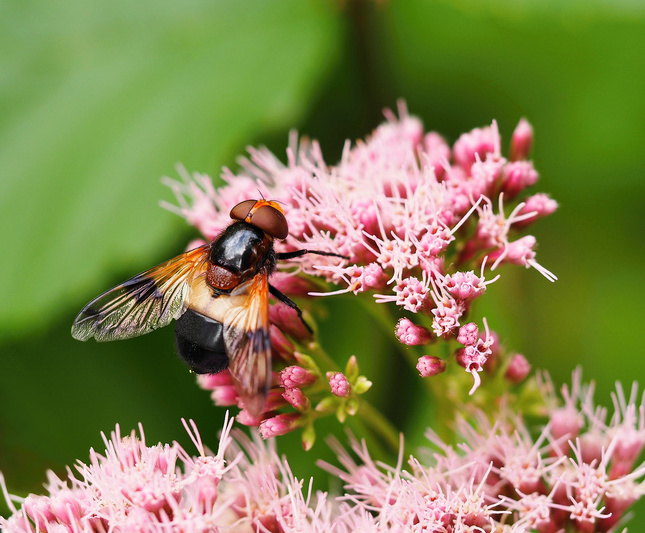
(501, 476)
(423, 226)
(132, 486)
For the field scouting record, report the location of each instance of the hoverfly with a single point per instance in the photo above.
(218, 295)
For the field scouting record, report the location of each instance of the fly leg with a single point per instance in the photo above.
(288, 301)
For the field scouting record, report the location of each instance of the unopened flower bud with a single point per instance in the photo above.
(518, 369)
(518, 175)
(429, 365)
(280, 424)
(566, 423)
(477, 142)
(292, 285)
(339, 384)
(410, 334)
(287, 319)
(280, 345)
(210, 381)
(521, 141)
(225, 395)
(436, 151)
(296, 376)
(296, 399)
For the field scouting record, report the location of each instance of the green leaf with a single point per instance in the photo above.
(102, 99)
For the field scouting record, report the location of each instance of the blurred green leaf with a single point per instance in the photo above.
(101, 99)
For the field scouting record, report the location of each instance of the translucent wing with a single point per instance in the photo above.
(246, 336)
(145, 302)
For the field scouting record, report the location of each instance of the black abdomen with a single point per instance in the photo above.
(200, 343)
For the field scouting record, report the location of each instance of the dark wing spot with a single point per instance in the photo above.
(142, 288)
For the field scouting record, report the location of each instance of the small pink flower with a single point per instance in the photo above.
(411, 294)
(468, 334)
(290, 284)
(465, 286)
(373, 276)
(446, 316)
(518, 175)
(485, 175)
(410, 334)
(478, 142)
(429, 365)
(436, 152)
(339, 384)
(247, 419)
(210, 381)
(225, 395)
(566, 422)
(434, 241)
(365, 278)
(474, 356)
(540, 204)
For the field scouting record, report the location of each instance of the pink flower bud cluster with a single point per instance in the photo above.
(295, 399)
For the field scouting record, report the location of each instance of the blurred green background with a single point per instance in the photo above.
(98, 100)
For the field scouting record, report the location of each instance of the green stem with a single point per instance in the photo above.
(379, 424)
(320, 356)
(411, 354)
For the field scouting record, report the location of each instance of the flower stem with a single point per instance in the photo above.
(381, 314)
(380, 425)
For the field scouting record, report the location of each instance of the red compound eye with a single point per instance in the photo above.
(241, 210)
(271, 221)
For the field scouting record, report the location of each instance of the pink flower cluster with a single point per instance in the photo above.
(131, 487)
(578, 474)
(423, 223)
(300, 387)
